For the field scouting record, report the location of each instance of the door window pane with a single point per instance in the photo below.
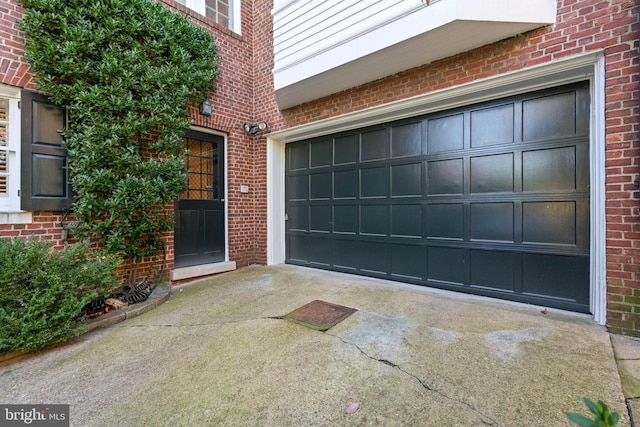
(202, 163)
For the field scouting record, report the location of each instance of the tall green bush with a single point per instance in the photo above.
(127, 71)
(43, 291)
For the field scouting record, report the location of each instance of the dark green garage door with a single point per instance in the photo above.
(491, 199)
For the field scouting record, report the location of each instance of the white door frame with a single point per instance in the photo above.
(182, 273)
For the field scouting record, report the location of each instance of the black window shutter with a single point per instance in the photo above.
(44, 177)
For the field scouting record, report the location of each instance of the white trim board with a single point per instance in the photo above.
(577, 68)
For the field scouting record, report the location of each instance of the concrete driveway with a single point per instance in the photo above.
(218, 352)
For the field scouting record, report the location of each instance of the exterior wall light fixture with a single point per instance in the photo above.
(206, 108)
(254, 128)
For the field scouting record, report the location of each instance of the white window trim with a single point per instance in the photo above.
(236, 25)
(200, 7)
(10, 212)
(588, 66)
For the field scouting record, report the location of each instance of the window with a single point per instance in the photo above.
(9, 149)
(218, 10)
(222, 12)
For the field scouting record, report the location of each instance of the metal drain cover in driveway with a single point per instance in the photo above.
(320, 315)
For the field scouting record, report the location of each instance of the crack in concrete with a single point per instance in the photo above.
(628, 403)
(484, 418)
(188, 325)
(173, 325)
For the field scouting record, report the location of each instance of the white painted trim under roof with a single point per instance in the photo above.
(573, 69)
(323, 47)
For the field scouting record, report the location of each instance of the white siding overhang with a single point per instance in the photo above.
(324, 47)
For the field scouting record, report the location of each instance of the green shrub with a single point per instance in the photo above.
(127, 71)
(43, 291)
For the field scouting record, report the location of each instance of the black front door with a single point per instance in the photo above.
(199, 230)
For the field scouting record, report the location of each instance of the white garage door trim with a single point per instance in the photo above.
(578, 68)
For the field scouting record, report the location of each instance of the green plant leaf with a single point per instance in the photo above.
(593, 407)
(602, 416)
(42, 302)
(614, 418)
(581, 420)
(127, 70)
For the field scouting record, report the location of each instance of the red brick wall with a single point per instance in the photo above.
(14, 71)
(582, 26)
(233, 104)
(13, 68)
(245, 93)
(265, 108)
(46, 226)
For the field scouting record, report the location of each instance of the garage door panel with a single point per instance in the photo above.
(408, 261)
(445, 133)
(320, 218)
(549, 116)
(492, 222)
(583, 112)
(583, 222)
(445, 221)
(320, 186)
(298, 218)
(492, 126)
(555, 276)
(345, 219)
(298, 187)
(374, 182)
(320, 251)
(406, 221)
(448, 265)
(445, 177)
(491, 199)
(321, 153)
(345, 150)
(492, 174)
(582, 168)
(552, 169)
(549, 222)
(373, 257)
(345, 184)
(374, 220)
(406, 180)
(494, 270)
(297, 249)
(298, 157)
(406, 140)
(374, 145)
(346, 254)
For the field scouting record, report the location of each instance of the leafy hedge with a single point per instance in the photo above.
(127, 71)
(43, 291)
